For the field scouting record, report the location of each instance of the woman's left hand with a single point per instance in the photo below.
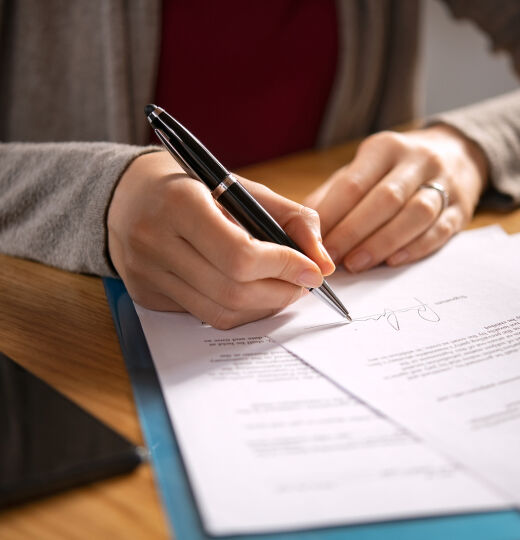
(374, 210)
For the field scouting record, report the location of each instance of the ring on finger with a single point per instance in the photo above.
(441, 190)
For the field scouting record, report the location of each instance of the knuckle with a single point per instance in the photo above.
(445, 229)
(348, 184)
(390, 139)
(392, 195)
(309, 214)
(235, 297)
(353, 186)
(184, 197)
(137, 232)
(426, 208)
(431, 159)
(223, 319)
(176, 194)
(286, 264)
(310, 217)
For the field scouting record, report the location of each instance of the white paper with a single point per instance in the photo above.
(435, 345)
(269, 444)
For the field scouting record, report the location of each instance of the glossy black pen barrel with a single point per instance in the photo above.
(199, 163)
(194, 156)
(246, 210)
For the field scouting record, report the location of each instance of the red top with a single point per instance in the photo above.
(249, 79)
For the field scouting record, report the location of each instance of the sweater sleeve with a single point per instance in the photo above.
(54, 200)
(493, 124)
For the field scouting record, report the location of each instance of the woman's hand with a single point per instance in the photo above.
(373, 209)
(177, 251)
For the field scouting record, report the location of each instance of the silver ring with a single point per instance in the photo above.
(439, 188)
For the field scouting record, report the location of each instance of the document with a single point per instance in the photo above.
(270, 444)
(434, 345)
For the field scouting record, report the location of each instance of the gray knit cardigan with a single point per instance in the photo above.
(75, 74)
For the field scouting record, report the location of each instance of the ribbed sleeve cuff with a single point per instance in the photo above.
(105, 172)
(54, 200)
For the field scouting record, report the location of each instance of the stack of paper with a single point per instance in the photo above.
(273, 431)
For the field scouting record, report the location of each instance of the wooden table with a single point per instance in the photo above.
(58, 326)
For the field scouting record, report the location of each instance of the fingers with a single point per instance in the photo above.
(155, 301)
(202, 276)
(450, 222)
(382, 203)
(301, 223)
(347, 187)
(198, 304)
(373, 210)
(416, 217)
(175, 250)
(192, 284)
(234, 253)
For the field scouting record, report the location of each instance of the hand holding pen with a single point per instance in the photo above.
(177, 251)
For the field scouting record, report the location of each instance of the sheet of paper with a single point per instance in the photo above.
(435, 345)
(269, 444)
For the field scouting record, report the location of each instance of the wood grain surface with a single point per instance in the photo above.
(58, 326)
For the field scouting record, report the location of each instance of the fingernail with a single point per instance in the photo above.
(359, 261)
(310, 279)
(325, 253)
(399, 257)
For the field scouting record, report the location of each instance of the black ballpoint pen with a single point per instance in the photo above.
(200, 164)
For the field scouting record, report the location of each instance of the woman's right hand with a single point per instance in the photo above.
(176, 250)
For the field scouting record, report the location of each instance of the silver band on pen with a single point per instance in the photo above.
(223, 186)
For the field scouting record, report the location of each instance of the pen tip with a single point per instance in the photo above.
(148, 110)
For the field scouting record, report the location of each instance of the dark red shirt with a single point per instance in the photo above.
(250, 79)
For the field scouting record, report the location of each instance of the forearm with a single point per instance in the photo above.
(54, 199)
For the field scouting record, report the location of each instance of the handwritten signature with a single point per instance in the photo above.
(423, 310)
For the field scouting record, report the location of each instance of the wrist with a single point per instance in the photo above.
(472, 152)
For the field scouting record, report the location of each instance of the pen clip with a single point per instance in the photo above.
(178, 158)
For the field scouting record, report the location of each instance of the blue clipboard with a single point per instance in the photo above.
(177, 497)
